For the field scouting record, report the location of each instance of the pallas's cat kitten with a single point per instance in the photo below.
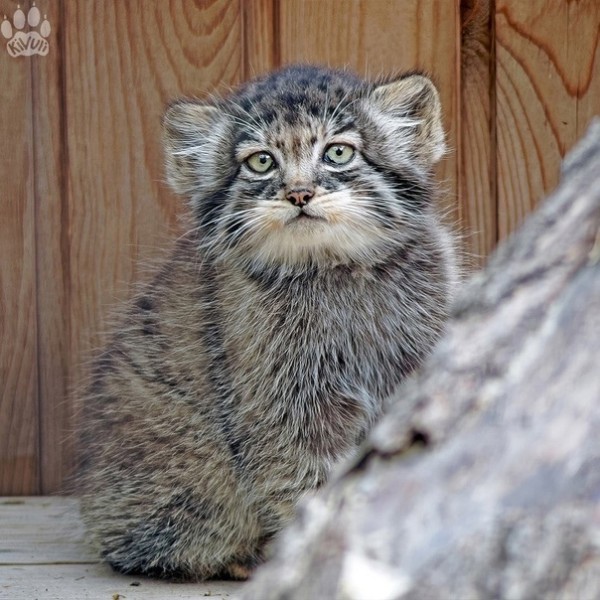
(317, 276)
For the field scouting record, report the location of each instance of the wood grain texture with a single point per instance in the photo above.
(43, 555)
(52, 257)
(124, 62)
(548, 88)
(41, 531)
(378, 38)
(97, 582)
(477, 205)
(83, 204)
(260, 41)
(19, 426)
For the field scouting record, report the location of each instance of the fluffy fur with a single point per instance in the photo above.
(261, 353)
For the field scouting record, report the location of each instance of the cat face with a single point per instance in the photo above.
(307, 165)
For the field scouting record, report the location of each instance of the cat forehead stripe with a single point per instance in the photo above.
(312, 90)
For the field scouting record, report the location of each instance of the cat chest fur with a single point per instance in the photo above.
(313, 354)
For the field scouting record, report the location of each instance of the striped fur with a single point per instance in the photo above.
(260, 354)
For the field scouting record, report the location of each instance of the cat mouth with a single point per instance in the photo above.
(303, 215)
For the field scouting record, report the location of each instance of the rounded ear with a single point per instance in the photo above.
(187, 126)
(410, 108)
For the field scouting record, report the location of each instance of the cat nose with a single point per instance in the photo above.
(299, 196)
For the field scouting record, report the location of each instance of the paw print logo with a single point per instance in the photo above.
(30, 43)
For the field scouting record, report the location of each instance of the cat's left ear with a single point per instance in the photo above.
(410, 108)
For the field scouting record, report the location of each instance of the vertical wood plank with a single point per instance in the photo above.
(477, 180)
(52, 257)
(261, 43)
(585, 23)
(383, 37)
(87, 191)
(19, 472)
(548, 79)
(124, 61)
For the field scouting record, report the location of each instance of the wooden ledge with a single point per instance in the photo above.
(43, 555)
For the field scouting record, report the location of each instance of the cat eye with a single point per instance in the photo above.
(260, 162)
(338, 154)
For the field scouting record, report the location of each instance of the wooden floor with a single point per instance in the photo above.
(43, 555)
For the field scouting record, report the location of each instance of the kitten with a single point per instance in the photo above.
(317, 277)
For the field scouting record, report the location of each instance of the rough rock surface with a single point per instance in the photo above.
(484, 479)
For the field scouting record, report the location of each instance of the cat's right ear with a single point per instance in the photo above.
(187, 126)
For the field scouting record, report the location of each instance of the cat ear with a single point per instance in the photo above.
(187, 127)
(410, 108)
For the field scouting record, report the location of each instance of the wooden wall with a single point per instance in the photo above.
(82, 198)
